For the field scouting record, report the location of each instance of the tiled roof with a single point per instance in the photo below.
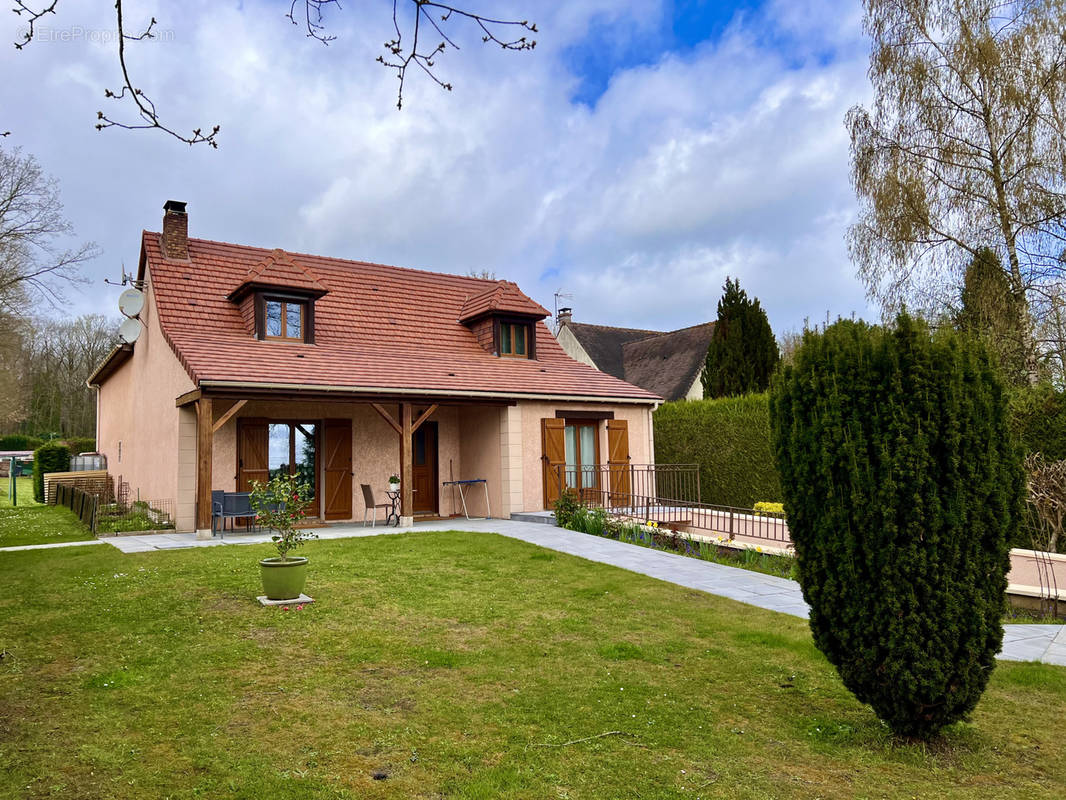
(668, 364)
(604, 344)
(379, 328)
(279, 269)
(504, 297)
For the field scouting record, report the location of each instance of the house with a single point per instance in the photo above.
(252, 362)
(669, 364)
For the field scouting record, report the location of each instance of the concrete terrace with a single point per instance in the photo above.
(1046, 643)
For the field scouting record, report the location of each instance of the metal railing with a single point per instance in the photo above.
(668, 495)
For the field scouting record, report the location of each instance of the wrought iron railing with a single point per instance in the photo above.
(668, 495)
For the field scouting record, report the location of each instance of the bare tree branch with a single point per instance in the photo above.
(145, 107)
(400, 57)
(427, 14)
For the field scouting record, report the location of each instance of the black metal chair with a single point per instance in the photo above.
(229, 505)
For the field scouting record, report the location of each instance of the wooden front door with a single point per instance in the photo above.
(253, 463)
(424, 469)
(553, 457)
(338, 469)
(618, 461)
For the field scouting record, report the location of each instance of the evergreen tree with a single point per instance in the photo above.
(993, 314)
(743, 353)
(901, 485)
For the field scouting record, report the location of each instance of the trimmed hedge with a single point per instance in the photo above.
(19, 441)
(81, 444)
(48, 458)
(729, 438)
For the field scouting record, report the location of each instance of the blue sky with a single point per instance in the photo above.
(643, 152)
(610, 46)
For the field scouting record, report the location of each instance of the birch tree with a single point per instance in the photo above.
(963, 148)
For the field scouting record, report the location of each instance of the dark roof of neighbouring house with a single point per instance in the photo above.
(377, 329)
(604, 344)
(665, 363)
(668, 364)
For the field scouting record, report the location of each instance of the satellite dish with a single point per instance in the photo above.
(130, 302)
(129, 330)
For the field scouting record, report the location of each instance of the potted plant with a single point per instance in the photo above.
(394, 483)
(280, 506)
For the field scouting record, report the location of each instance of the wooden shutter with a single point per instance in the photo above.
(553, 449)
(618, 461)
(338, 468)
(252, 454)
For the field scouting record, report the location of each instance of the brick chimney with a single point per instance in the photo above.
(565, 316)
(175, 240)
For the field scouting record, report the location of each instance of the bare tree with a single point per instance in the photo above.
(1046, 482)
(419, 39)
(50, 360)
(33, 262)
(964, 148)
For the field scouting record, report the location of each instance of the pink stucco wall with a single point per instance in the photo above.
(136, 409)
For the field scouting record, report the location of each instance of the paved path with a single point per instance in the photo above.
(50, 545)
(1045, 643)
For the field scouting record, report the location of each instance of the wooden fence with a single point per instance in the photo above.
(81, 502)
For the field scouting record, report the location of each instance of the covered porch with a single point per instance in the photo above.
(336, 444)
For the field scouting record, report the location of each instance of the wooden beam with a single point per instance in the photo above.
(233, 409)
(204, 437)
(188, 397)
(425, 415)
(388, 418)
(406, 467)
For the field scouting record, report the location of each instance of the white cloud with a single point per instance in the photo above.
(729, 159)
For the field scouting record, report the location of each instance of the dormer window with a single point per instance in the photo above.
(513, 338)
(277, 299)
(285, 319)
(503, 320)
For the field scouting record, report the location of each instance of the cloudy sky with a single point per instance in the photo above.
(643, 152)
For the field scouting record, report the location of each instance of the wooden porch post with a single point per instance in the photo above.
(204, 443)
(407, 505)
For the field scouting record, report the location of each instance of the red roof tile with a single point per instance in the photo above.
(504, 297)
(379, 328)
(279, 269)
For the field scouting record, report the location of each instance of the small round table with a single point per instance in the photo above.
(394, 512)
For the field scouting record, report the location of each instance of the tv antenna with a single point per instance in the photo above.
(128, 279)
(560, 295)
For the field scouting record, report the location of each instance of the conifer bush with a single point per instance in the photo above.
(48, 458)
(901, 486)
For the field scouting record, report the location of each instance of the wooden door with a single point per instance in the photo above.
(618, 461)
(337, 443)
(253, 463)
(553, 457)
(424, 469)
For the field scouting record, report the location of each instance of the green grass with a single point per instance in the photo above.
(459, 665)
(24, 492)
(30, 522)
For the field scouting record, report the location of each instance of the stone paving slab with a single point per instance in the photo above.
(1045, 643)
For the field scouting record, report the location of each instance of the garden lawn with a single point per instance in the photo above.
(455, 665)
(30, 522)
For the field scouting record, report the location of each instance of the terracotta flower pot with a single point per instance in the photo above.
(283, 580)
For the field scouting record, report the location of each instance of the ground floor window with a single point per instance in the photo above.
(293, 450)
(582, 454)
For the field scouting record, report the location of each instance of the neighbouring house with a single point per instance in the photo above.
(252, 362)
(666, 363)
